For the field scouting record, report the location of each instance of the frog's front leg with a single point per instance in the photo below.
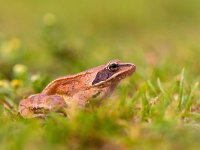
(40, 105)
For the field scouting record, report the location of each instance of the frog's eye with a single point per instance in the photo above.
(113, 67)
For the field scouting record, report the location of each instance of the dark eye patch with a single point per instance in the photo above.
(102, 76)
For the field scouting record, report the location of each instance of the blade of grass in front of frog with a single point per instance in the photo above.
(152, 88)
(190, 98)
(9, 108)
(164, 97)
(160, 86)
(8, 104)
(145, 107)
(180, 95)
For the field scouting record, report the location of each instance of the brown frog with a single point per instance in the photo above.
(98, 82)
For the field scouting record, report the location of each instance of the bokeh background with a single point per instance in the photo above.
(41, 40)
(67, 36)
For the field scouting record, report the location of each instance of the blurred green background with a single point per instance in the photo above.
(148, 33)
(157, 107)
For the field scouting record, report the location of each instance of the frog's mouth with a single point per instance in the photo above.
(109, 77)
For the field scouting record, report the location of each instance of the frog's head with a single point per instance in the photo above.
(113, 72)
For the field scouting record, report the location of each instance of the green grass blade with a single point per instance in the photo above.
(180, 95)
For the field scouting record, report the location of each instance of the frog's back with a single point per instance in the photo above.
(70, 84)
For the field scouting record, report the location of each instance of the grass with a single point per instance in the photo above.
(156, 107)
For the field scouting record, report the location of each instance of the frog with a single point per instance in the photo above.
(95, 83)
